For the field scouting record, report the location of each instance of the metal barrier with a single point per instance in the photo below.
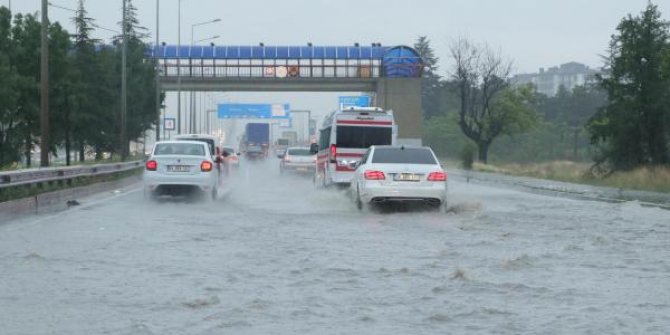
(60, 174)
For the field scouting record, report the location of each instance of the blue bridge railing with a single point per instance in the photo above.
(287, 61)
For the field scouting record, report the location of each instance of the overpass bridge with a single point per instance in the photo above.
(391, 74)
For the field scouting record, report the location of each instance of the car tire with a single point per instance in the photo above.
(324, 183)
(359, 203)
(215, 193)
(444, 207)
(150, 195)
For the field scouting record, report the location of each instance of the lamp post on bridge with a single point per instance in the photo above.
(192, 111)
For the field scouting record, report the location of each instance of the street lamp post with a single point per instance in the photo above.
(124, 93)
(44, 100)
(209, 122)
(158, 82)
(192, 96)
(179, 67)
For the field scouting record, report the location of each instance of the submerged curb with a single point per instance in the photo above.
(59, 200)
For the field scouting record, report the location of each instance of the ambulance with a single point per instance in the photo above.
(345, 136)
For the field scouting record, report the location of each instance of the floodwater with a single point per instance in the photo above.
(276, 256)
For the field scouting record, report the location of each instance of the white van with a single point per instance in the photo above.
(345, 136)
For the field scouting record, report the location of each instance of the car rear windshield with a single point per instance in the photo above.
(299, 152)
(403, 156)
(189, 149)
(207, 141)
(363, 137)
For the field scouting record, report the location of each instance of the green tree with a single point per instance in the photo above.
(61, 83)
(430, 83)
(489, 107)
(632, 129)
(86, 118)
(107, 100)
(25, 58)
(9, 139)
(567, 113)
(141, 111)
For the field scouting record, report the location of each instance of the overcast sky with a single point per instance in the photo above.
(533, 33)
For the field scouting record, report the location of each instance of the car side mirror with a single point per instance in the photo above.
(355, 165)
(314, 148)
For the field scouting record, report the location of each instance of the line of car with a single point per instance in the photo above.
(384, 173)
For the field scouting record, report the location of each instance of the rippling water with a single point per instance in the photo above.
(277, 256)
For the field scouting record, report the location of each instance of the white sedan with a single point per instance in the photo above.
(180, 166)
(399, 173)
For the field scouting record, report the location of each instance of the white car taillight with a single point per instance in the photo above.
(152, 165)
(437, 176)
(206, 166)
(374, 175)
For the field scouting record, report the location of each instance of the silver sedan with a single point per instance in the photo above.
(399, 174)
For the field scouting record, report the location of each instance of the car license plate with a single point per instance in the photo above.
(178, 168)
(406, 177)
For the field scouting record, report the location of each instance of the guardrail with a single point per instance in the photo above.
(62, 174)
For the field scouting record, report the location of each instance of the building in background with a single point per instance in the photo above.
(567, 75)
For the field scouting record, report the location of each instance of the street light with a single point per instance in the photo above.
(192, 108)
(209, 122)
(106, 29)
(201, 24)
(124, 86)
(179, 67)
(158, 81)
(208, 39)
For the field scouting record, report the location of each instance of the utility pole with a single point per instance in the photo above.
(44, 101)
(158, 81)
(124, 93)
(179, 67)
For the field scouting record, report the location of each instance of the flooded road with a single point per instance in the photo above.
(278, 256)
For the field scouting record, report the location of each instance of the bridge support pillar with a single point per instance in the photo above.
(403, 96)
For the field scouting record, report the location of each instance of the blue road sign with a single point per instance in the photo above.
(253, 111)
(355, 101)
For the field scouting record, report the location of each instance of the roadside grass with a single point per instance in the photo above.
(656, 179)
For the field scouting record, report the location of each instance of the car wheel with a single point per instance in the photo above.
(149, 195)
(214, 194)
(324, 183)
(359, 202)
(444, 207)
